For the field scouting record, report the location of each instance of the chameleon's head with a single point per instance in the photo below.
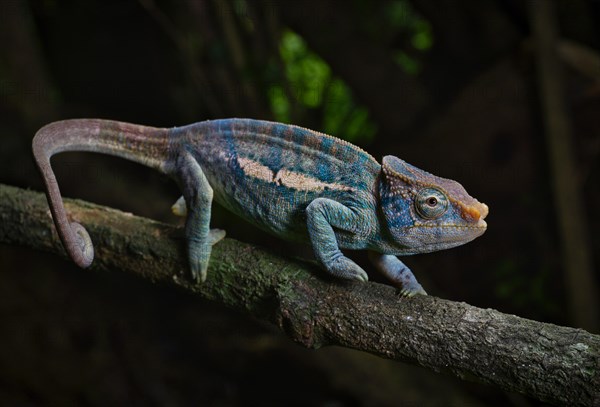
(425, 213)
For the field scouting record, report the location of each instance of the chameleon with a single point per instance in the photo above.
(296, 183)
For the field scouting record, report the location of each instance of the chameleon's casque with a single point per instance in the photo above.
(293, 182)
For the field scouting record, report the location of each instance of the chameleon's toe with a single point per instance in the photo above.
(345, 268)
(199, 256)
(410, 291)
(215, 235)
(179, 208)
(198, 270)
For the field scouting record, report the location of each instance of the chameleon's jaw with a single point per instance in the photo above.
(481, 223)
(483, 211)
(466, 225)
(451, 236)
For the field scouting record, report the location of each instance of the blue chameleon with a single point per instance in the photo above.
(295, 183)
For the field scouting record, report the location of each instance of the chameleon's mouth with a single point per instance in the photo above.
(443, 236)
(483, 212)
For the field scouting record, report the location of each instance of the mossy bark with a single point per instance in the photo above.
(556, 364)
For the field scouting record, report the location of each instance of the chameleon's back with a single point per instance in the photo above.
(270, 171)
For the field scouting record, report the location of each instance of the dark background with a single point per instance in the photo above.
(451, 87)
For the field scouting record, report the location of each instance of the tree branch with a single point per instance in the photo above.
(549, 362)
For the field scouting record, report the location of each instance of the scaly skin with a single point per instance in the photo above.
(293, 182)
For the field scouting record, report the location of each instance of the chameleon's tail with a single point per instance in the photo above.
(146, 145)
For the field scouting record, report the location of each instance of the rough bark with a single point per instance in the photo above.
(556, 364)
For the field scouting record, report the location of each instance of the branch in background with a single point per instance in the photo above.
(572, 221)
(545, 361)
(580, 58)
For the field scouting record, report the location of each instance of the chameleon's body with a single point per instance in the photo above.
(295, 183)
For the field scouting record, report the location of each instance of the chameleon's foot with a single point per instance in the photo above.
(400, 275)
(199, 254)
(198, 258)
(345, 268)
(322, 216)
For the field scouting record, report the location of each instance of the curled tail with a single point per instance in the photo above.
(145, 145)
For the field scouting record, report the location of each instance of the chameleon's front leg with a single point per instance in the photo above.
(322, 216)
(391, 267)
(198, 195)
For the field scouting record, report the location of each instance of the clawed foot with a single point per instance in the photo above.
(199, 254)
(397, 272)
(345, 268)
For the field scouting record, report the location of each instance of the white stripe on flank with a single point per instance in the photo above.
(256, 170)
(287, 178)
(304, 182)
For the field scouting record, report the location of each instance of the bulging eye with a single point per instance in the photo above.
(431, 203)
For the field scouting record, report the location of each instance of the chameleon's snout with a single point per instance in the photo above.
(483, 212)
(475, 212)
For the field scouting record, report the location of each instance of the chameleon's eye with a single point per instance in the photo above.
(431, 203)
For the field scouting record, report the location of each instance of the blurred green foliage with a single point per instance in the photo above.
(311, 85)
(403, 18)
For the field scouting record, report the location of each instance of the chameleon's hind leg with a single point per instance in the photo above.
(391, 267)
(179, 208)
(198, 196)
(322, 216)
